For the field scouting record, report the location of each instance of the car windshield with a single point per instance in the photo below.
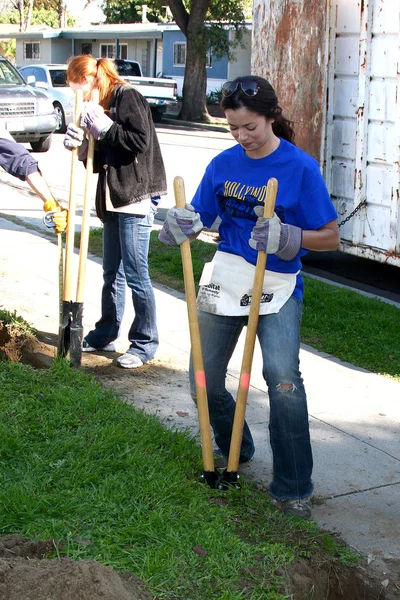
(59, 77)
(9, 75)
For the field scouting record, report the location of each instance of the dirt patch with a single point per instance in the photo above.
(26, 573)
(318, 581)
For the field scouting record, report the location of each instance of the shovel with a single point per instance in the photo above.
(71, 329)
(231, 476)
(210, 475)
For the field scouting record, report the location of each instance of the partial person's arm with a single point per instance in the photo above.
(17, 161)
(323, 239)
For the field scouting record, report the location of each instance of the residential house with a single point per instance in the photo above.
(160, 48)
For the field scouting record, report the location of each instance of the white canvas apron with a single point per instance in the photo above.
(226, 285)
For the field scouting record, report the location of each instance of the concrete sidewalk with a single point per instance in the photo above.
(354, 414)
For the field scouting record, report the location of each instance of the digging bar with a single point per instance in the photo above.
(210, 475)
(230, 475)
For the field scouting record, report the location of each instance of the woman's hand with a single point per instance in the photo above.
(274, 237)
(96, 121)
(180, 224)
(73, 137)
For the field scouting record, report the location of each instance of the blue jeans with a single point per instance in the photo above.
(125, 259)
(279, 337)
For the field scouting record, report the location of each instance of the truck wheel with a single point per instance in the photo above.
(43, 145)
(157, 115)
(58, 109)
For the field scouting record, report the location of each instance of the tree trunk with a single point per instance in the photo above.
(194, 89)
(195, 78)
(62, 13)
(21, 14)
(28, 15)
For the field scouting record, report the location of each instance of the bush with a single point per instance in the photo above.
(214, 97)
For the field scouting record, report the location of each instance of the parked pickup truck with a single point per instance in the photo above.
(159, 93)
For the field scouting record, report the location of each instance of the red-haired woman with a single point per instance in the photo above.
(131, 179)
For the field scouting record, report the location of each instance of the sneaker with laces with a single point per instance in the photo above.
(298, 507)
(129, 361)
(86, 347)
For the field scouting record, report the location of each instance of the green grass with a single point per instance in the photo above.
(112, 484)
(348, 325)
(15, 325)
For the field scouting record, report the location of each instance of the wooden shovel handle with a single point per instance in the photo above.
(244, 382)
(197, 357)
(83, 252)
(69, 240)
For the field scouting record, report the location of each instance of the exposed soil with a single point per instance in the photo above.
(26, 573)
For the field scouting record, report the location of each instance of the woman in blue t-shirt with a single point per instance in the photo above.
(233, 188)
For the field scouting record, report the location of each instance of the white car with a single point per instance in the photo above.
(53, 79)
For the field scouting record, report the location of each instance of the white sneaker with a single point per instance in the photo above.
(298, 507)
(129, 361)
(111, 347)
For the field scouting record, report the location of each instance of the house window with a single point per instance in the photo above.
(107, 50)
(32, 50)
(123, 51)
(179, 54)
(86, 48)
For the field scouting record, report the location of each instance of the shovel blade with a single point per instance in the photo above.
(76, 334)
(64, 330)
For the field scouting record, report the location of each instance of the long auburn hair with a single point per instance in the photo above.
(106, 78)
(264, 103)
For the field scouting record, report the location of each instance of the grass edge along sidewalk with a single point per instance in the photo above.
(110, 483)
(356, 329)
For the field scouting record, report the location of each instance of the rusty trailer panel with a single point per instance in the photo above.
(289, 49)
(351, 71)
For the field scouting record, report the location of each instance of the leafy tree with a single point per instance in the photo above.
(130, 11)
(202, 36)
(204, 24)
(9, 49)
(39, 16)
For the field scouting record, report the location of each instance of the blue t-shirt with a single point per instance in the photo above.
(234, 184)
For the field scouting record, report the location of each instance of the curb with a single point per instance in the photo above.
(193, 125)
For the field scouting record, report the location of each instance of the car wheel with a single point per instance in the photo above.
(58, 110)
(43, 145)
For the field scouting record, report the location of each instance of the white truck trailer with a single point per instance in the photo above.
(335, 67)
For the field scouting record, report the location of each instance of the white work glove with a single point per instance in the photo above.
(74, 137)
(180, 224)
(274, 237)
(96, 121)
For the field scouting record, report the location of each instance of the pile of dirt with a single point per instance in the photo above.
(26, 575)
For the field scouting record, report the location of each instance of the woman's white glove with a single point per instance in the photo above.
(96, 121)
(180, 224)
(74, 137)
(274, 237)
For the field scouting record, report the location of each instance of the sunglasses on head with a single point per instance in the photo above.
(249, 87)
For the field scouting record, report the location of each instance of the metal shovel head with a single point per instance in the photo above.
(64, 330)
(70, 333)
(76, 334)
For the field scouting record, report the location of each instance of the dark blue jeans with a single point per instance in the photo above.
(279, 337)
(125, 260)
